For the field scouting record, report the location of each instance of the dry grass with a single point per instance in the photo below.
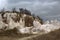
(13, 35)
(54, 35)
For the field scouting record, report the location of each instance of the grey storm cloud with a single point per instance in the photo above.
(3, 4)
(43, 8)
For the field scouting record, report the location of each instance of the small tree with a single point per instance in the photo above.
(14, 10)
(21, 9)
(24, 11)
(27, 12)
(40, 19)
(2, 12)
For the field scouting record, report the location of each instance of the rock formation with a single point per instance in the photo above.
(22, 21)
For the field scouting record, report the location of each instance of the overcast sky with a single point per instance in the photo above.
(49, 9)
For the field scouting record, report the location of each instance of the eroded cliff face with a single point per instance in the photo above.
(25, 23)
(21, 21)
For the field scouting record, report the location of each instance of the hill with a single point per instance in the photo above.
(54, 35)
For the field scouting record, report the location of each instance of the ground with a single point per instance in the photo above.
(54, 35)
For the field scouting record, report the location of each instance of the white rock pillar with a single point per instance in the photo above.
(36, 27)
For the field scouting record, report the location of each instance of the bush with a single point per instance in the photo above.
(40, 20)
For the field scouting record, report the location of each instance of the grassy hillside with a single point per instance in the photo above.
(54, 35)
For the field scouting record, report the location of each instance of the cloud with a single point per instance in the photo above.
(43, 8)
(3, 4)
